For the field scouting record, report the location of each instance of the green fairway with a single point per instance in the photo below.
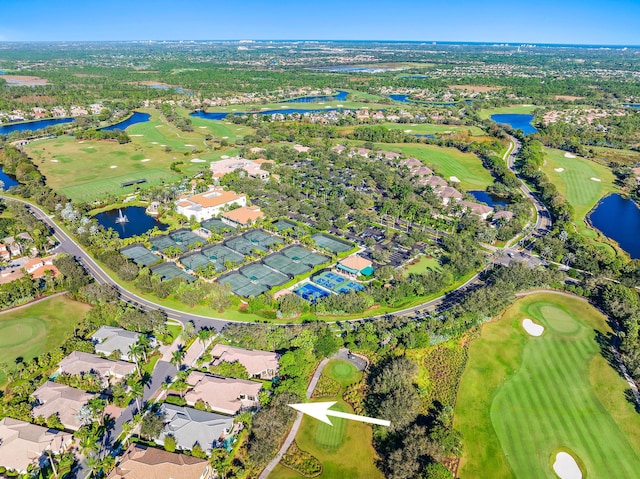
(423, 129)
(447, 162)
(424, 263)
(515, 109)
(344, 449)
(28, 332)
(575, 181)
(523, 398)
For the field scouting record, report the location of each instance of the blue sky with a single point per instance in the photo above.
(534, 21)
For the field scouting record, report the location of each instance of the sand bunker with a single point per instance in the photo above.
(198, 160)
(54, 161)
(163, 145)
(225, 137)
(454, 179)
(569, 155)
(593, 178)
(532, 328)
(159, 126)
(566, 467)
(154, 142)
(203, 127)
(113, 166)
(559, 170)
(339, 106)
(224, 157)
(80, 142)
(145, 160)
(187, 144)
(407, 131)
(136, 135)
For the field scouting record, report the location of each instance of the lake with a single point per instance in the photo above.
(8, 180)
(139, 222)
(619, 219)
(340, 96)
(137, 117)
(516, 121)
(33, 125)
(400, 98)
(489, 199)
(284, 111)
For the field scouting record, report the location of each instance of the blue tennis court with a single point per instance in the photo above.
(336, 283)
(310, 292)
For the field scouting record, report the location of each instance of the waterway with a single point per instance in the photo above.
(283, 111)
(7, 180)
(139, 221)
(619, 219)
(488, 199)
(33, 125)
(516, 121)
(137, 117)
(340, 96)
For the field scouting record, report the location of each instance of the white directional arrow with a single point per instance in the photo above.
(321, 411)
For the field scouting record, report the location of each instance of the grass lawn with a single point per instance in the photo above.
(423, 264)
(344, 449)
(524, 398)
(447, 162)
(575, 182)
(423, 128)
(28, 332)
(515, 109)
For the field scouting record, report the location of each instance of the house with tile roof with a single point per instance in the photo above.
(54, 398)
(108, 339)
(109, 370)
(189, 426)
(259, 364)
(245, 216)
(142, 462)
(24, 443)
(205, 206)
(225, 395)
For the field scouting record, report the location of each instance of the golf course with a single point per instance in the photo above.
(344, 449)
(536, 385)
(33, 330)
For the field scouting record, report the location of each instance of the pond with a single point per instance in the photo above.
(137, 117)
(33, 125)
(488, 199)
(138, 222)
(7, 180)
(516, 121)
(400, 98)
(340, 96)
(619, 219)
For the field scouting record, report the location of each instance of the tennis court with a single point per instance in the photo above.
(311, 292)
(264, 275)
(336, 283)
(139, 255)
(168, 271)
(164, 242)
(285, 265)
(283, 225)
(216, 225)
(333, 245)
(243, 286)
(243, 245)
(263, 238)
(220, 254)
(303, 255)
(186, 237)
(194, 262)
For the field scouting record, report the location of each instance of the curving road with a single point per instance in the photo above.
(69, 245)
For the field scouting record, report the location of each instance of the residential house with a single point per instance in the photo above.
(142, 462)
(225, 395)
(388, 155)
(435, 182)
(256, 150)
(189, 426)
(356, 265)
(24, 444)
(5, 255)
(36, 267)
(259, 364)
(477, 208)
(448, 194)
(502, 215)
(364, 152)
(79, 362)
(301, 149)
(52, 398)
(339, 149)
(108, 339)
(244, 216)
(205, 206)
(422, 171)
(411, 163)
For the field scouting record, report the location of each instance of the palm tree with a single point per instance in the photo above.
(137, 391)
(178, 356)
(135, 353)
(203, 335)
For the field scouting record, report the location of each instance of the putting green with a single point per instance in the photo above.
(523, 398)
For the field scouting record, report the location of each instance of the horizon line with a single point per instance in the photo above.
(432, 42)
